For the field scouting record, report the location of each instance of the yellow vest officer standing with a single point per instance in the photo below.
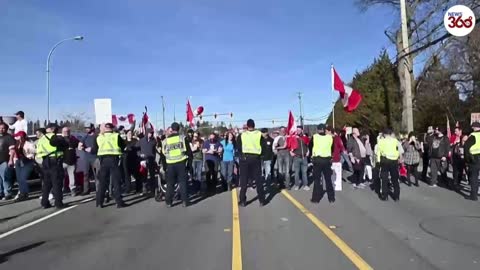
(472, 156)
(250, 145)
(50, 149)
(388, 155)
(177, 152)
(321, 152)
(108, 147)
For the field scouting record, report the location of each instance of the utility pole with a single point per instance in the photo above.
(407, 113)
(301, 107)
(174, 117)
(163, 113)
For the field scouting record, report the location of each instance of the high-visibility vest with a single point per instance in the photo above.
(475, 149)
(322, 145)
(108, 144)
(251, 142)
(174, 149)
(44, 148)
(388, 148)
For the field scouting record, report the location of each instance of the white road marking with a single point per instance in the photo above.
(87, 200)
(35, 222)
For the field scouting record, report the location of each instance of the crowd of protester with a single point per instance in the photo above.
(214, 159)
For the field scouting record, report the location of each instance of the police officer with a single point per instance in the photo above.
(177, 151)
(50, 148)
(250, 145)
(472, 157)
(108, 147)
(388, 155)
(321, 149)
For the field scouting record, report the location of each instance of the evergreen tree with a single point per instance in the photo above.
(381, 104)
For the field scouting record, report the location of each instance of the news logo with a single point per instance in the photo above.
(459, 20)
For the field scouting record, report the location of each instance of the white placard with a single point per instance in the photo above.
(474, 117)
(103, 110)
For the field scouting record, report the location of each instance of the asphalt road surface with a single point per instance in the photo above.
(429, 228)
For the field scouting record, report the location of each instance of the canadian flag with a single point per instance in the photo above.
(146, 124)
(127, 121)
(351, 98)
(190, 115)
(291, 131)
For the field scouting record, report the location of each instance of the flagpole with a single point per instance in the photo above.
(333, 100)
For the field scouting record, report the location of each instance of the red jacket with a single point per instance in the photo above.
(292, 142)
(338, 149)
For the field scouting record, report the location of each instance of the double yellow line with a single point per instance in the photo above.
(237, 243)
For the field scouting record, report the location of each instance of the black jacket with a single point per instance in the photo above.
(267, 149)
(147, 147)
(70, 154)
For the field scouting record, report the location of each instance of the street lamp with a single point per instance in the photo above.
(76, 38)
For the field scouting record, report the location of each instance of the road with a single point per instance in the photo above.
(429, 228)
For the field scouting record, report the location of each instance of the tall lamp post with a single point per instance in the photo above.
(77, 38)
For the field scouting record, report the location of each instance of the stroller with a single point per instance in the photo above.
(161, 187)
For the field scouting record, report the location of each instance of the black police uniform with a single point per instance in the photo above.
(53, 173)
(110, 168)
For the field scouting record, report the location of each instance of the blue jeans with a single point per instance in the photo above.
(227, 170)
(5, 179)
(300, 165)
(23, 169)
(267, 167)
(197, 169)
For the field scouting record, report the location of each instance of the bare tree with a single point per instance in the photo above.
(426, 32)
(76, 121)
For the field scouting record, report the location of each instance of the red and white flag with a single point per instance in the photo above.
(190, 115)
(127, 121)
(291, 132)
(351, 98)
(146, 124)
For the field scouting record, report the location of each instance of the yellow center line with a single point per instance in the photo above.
(236, 240)
(349, 252)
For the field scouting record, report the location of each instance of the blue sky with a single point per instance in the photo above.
(248, 57)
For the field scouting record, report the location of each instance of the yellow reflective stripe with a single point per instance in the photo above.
(174, 149)
(389, 148)
(475, 149)
(46, 148)
(251, 142)
(322, 146)
(108, 144)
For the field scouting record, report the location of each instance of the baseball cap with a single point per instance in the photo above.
(21, 113)
(109, 125)
(52, 125)
(21, 133)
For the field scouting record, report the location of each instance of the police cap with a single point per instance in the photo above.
(250, 123)
(175, 126)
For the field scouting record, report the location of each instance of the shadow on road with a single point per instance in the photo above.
(5, 256)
